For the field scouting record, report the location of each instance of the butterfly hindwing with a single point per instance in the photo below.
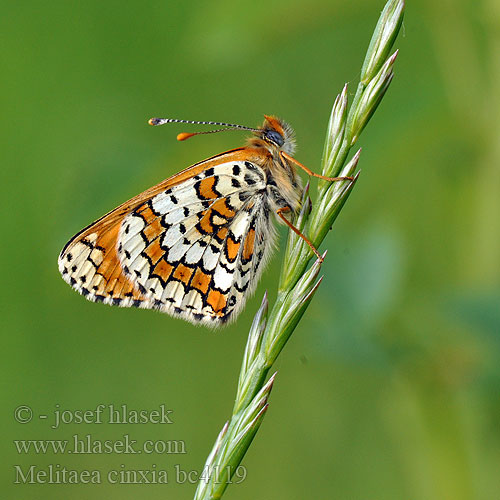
(192, 248)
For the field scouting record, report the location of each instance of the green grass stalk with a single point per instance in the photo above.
(271, 330)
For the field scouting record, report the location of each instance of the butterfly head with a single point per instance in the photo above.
(275, 133)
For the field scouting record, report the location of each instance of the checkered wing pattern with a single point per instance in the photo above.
(193, 246)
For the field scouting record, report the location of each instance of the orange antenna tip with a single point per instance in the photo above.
(184, 135)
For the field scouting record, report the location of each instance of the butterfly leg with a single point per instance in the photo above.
(291, 159)
(280, 212)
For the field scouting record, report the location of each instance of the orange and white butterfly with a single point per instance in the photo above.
(194, 245)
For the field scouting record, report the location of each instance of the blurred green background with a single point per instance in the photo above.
(390, 387)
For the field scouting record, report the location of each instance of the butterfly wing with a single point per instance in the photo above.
(192, 246)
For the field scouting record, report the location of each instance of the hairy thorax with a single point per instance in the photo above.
(284, 187)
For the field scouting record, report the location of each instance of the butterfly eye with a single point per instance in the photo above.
(274, 136)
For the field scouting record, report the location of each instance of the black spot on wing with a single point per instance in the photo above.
(249, 180)
(255, 169)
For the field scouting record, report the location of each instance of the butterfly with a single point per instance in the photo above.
(194, 245)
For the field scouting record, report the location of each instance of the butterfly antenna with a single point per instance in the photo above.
(186, 135)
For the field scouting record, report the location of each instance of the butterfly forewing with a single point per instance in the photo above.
(192, 246)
